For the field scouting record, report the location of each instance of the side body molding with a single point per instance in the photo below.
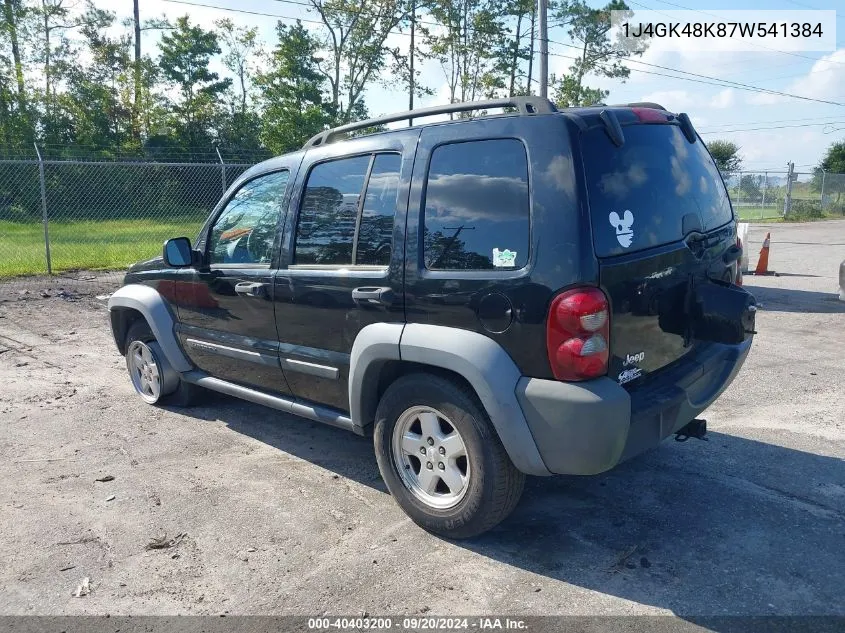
(493, 375)
(374, 345)
(153, 308)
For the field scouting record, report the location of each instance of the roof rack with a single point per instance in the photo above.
(525, 106)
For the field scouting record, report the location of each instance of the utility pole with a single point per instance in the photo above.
(529, 89)
(787, 203)
(544, 48)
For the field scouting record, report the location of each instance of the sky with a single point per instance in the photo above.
(795, 130)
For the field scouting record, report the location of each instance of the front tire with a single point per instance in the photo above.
(441, 458)
(149, 372)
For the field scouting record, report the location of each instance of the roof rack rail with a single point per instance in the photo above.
(525, 106)
(641, 104)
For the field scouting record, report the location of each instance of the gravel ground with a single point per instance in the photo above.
(284, 516)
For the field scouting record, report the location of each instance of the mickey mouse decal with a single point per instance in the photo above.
(624, 232)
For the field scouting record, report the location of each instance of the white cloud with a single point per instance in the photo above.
(823, 81)
(673, 100)
(765, 148)
(764, 98)
(723, 99)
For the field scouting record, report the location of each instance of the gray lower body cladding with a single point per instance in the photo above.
(590, 427)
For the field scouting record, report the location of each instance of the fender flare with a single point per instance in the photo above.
(152, 306)
(479, 359)
(374, 345)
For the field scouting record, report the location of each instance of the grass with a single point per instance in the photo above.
(115, 244)
(770, 214)
(86, 245)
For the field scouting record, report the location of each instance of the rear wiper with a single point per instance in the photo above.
(612, 127)
(686, 127)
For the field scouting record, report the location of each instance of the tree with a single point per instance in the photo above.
(292, 91)
(56, 18)
(404, 68)
(462, 44)
(357, 32)
(726, 155)
(136, 70)
(831, 171)
(751, 187)
(600, 55)
(532, 38)
(241, 47)
(13, 12)
(567, 92)
(97, 104)
(834, 159)
(141, 67)
(186, 53)
(514, 51)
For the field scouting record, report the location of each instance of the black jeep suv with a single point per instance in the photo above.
(535, 292)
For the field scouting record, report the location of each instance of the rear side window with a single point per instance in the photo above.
(639, 193)
(477, 206)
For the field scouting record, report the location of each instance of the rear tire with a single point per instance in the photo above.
(441, 458)
(145, 363)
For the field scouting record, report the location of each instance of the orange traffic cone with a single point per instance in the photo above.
(763, 262)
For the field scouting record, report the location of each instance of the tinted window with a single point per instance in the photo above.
(639, 193)
(326, 227)
(375, 235)
(245, 230)
(476, 206)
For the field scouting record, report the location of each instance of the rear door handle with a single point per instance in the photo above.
(371, 295)
(250, 289)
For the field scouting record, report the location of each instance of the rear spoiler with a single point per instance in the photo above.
(614, 128)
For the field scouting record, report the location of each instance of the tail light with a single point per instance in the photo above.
(739, 263)
(651, 115)
(578, 334)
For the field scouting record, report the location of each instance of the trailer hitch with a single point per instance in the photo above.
(696, 429)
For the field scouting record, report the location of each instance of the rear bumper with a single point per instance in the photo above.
(590, 427)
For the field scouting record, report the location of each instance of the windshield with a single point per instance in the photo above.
(639, 193)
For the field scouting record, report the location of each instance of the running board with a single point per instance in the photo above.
(288, 405)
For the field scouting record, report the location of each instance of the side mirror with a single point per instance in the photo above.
(177, 252)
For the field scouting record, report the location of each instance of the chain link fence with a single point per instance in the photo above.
(66, 222)
(87, 221)
(769, 195)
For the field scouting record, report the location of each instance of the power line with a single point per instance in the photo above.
(812, 118)
(776, 127)
(735, 85)
(812, 72)
(807, 6)
(248, 12)
(732, 83)
(740, 85)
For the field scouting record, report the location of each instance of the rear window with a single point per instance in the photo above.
(639, 193)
